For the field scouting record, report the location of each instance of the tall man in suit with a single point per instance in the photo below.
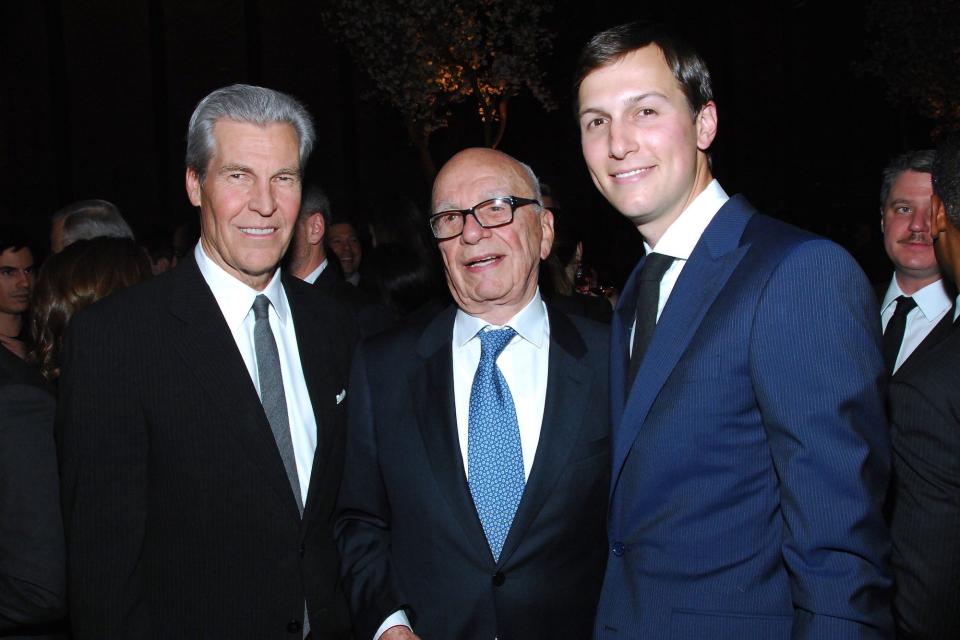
(477, 465)
(916, 309)
(203, 415)
(750, 453)
(924, 497)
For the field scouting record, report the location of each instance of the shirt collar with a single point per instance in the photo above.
(234, 297)
(313, 275)
(530, 323)
(680, 238)
(932, 300)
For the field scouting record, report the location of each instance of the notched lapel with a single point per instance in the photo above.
(704, 275)
(203, 340)
(433, 398)
(568, 386)
(313, 332)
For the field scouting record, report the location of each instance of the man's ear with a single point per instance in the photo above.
(706, 125)
(938, 216)
(315, 228)
(546, 227)
(193, 187)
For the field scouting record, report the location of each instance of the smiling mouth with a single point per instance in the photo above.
(483, 261)
(258, 231)
(631, 173)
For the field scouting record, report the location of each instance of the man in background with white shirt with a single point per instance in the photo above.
(474, 495)
(750, 450)
(202, 414)
(917, 307)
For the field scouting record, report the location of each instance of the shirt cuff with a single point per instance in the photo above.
(394, 619)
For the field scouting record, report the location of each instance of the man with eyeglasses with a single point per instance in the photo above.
(474, 497)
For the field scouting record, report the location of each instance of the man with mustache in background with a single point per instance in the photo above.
(916, 309)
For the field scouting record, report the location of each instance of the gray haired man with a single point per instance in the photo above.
(203, 413)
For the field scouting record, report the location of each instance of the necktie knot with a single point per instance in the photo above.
(492, 343)
(905, 305)
(261, 305)
(655, 266)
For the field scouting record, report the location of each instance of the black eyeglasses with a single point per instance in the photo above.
(489, 214)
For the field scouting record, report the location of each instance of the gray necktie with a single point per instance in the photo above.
(271, 391)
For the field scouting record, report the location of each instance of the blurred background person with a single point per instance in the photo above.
(72, 280)
(16, 283)
(86, 219)
(561, 274)
(158, 247)
(32, 556)
(343, 240)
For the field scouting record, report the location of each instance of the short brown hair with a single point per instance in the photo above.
(685, 63)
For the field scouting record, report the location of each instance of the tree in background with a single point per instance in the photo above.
(424, 56)
(914, 47)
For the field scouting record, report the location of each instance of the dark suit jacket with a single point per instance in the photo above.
(751, 455)
(924, 502)
(407, 525)
(371, 315)
(940, 331)
(179, 517)
(32, 559)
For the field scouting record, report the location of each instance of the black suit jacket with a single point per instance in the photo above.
(32, 562)
(407, 525)
(371, 315)
(179, 517)
(924, 500)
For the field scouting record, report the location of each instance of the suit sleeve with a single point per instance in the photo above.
(32, 562)
(103, 449)
(818, 375)
(362, 525)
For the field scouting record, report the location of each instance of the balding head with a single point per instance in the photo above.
(492, 272)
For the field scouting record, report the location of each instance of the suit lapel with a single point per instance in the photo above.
(566, 401)
(939, 332)
(704, 275)
(204, 342)
(433, 398)
(312, 335)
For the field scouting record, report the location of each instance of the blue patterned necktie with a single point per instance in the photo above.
(494, 455)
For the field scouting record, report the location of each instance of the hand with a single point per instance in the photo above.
(399, 632)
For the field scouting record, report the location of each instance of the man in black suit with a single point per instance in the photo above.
(32, 561)
(308, 260)
(916, 308)
(473, 503)
(924, 501)
(203, 415)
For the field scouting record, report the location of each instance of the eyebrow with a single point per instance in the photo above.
(640, 97)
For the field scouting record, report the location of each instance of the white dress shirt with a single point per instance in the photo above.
(313, 275)
(680, 238)
(236, 303)
(524, 363)
(932, 304)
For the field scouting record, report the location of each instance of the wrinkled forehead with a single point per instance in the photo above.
(465, 184)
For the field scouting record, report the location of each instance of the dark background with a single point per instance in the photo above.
(97, 93)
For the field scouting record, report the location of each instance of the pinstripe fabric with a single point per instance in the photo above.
(751, 454)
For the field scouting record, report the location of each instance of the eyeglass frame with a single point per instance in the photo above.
(515, 203)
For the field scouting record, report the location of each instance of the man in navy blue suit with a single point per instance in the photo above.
(750, 450)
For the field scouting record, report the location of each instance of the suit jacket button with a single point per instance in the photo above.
(498, 579)
(294, 626)
(618, 549)
(302, 550)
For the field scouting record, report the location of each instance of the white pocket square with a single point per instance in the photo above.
(341, 396)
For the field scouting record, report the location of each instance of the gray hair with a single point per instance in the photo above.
(89, 219)
(315, 200)
(919, 161)
(244, 103)
(534, 182)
